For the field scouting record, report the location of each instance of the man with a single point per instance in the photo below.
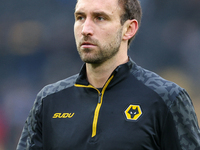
(112, 104)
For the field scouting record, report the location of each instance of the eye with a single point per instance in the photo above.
(79, 17)
(100, 18)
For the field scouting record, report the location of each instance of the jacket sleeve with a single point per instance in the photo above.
(31, 137)
(181, 129)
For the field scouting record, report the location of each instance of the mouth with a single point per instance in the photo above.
(87, 45)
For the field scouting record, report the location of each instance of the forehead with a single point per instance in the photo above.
(107, 6)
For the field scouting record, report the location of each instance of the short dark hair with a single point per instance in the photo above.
(132, 10)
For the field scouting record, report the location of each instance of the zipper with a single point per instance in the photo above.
(98, 107)
(99, 98)
(96, 114)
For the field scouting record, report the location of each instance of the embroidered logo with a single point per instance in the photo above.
(63, 115)
(133, 112)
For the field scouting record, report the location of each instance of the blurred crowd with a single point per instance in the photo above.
(37, 47)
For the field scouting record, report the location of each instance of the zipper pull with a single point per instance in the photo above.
(99, 98)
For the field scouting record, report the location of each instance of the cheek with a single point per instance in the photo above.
(110, 34)
(77, 30)
(76, 36)
(105, 33)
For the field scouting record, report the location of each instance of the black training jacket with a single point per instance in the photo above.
(135, 110)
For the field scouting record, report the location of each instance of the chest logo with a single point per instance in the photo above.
(133, 112)
(63, 115)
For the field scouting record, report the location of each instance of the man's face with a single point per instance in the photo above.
(97, 29)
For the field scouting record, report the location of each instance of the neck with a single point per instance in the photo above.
(98, 74)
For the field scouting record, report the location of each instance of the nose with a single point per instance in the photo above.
(87, 28)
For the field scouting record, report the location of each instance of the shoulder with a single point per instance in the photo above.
(58, 86)
(167, 90)
(51, 89)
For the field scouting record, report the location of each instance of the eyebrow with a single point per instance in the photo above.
(79, 13)
(101, 13)
(95, 13)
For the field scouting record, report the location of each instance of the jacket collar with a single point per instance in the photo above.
(121, 72)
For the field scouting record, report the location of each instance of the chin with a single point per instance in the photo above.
(91, 60)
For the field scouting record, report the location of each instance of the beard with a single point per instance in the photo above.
(102, 52)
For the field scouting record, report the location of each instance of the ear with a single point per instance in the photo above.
(130, 29)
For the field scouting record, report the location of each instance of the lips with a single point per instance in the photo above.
(87, 45)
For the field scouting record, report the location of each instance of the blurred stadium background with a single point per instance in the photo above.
(37, 47)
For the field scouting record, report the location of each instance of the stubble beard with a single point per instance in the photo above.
(103, 52)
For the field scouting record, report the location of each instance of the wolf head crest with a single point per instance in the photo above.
(133, 112)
